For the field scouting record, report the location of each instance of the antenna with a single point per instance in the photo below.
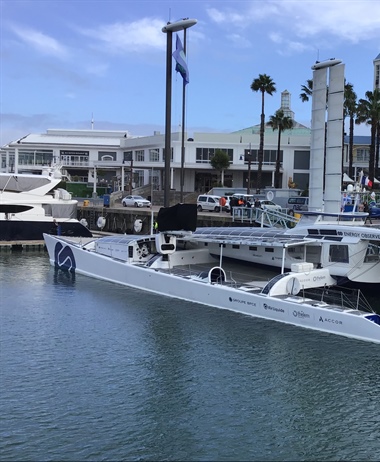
(318, 54)
(92, 121)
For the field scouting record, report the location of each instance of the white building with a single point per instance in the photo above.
(376, 72)
(105, 158)
(84, 153)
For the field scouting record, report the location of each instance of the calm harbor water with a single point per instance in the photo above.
(91, 371)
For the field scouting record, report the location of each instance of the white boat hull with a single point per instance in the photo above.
(290, 309)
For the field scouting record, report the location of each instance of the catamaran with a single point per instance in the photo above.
(169, 263)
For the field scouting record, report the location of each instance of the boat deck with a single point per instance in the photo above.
(240, 278)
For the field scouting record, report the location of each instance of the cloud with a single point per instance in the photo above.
(345, 20)
(227, 16)
(288, 47)
(41, 42)
(98, 69)
(239, 41)
(122, 37)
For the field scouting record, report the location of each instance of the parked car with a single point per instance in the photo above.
(208, 202)
(269, 205)
(246, 197)
(135, 201)
(298, 204)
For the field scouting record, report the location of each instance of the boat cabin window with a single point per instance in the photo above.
(373, 253)
(269, 249)
(339, 253)
(296, 249)
(251, 247)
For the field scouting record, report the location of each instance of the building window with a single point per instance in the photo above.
(362, 155)
(204, 155)
(35, 156)
(127, 156)
(139, 155)
(154, 179)
(269, 156)
(154, 155)
(301, 160)
(301, 180)
(75, 158)
(138, 178)
(104, 155)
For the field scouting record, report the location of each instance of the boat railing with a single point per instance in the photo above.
(264, 217)
(344, 298)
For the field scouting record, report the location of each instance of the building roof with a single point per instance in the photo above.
(361, 139)
(298, 129)
(74, 137)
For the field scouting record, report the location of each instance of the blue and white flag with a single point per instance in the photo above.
(180, 57)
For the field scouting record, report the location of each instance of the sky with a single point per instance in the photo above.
(68, 63)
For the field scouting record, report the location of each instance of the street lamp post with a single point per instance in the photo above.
(169, 29)
(249, 158)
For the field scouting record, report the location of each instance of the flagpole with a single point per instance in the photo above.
(183, 24)
(168, 117)
(183, 124)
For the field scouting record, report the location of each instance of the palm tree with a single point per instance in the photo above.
(279, 122)
(307, 91)
(369, 113)
(264, 84)
(349, 110)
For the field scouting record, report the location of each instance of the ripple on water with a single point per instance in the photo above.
(92, 371)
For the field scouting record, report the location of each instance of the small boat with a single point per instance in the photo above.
(170, 264)
(31, 205)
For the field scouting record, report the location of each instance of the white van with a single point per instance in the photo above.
(246, 197)
(298, 203)
(208, 202)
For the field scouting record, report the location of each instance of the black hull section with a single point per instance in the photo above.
(12, 230)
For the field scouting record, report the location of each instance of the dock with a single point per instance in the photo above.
(13, 246)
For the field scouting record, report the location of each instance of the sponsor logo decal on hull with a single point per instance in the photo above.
(64, 258)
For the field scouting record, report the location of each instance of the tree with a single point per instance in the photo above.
(263, 84)
(220, 161)
(279, 122)
(368, 112)
(307, 91)
(350, 108)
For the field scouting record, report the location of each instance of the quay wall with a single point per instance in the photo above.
(122, 220)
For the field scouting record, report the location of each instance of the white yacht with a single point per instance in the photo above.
(31, 205)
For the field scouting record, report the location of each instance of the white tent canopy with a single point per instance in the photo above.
(347, 179)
